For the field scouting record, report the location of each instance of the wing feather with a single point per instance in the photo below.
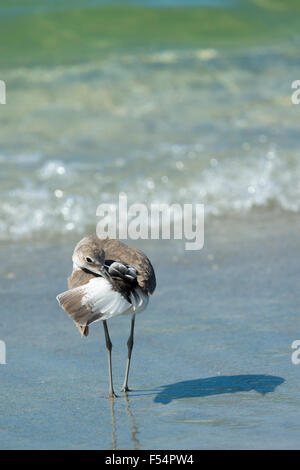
(96, 300)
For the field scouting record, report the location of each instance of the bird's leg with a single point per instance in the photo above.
(130, 346)
(109, 348)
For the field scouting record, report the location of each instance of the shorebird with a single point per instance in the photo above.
(109, 278)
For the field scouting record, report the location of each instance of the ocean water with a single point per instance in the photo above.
(170, 101)
(162, 118)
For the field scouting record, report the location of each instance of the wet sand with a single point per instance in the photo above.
(212, 357)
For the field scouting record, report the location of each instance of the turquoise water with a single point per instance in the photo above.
(188, 103)
(54, 5)
(171, 105)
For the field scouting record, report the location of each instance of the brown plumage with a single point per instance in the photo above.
(115, 251)
(79, 278)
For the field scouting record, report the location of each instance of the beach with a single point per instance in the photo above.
(212, 357)
(183, 104)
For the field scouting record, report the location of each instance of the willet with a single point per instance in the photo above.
(109, 278)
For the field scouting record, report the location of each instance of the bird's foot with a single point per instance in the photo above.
(126, 389)
(112, 395)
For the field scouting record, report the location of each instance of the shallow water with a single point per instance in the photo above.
(212, 358)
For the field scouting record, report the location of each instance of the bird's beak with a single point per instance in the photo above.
(104, 273)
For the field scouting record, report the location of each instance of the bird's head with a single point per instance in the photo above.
(87, 256)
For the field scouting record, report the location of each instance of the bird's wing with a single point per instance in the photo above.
(131, 257)
(79, 278)
(127, 273)
(96, 300)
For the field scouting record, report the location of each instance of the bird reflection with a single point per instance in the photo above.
(133, 426)
(113, 425)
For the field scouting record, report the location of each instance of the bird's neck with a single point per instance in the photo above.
(77, 268)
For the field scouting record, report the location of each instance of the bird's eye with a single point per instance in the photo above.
(89, 260)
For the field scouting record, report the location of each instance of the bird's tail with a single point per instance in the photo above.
(83, 330)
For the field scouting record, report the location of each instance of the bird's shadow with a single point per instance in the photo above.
(218, 385)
